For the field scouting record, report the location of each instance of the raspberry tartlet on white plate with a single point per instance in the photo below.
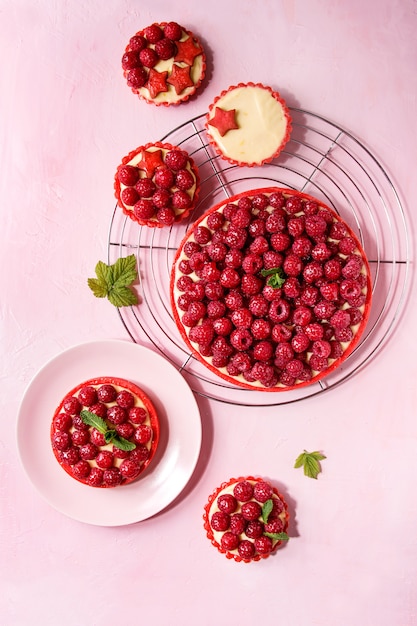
(270, 289)
(105, 432)
(164, 63)
(157, 184)
(246, 519)
(248, 124)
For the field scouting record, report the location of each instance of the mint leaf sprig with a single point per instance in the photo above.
(310, 461)
(266, 511)
(110, 435)
(114, 281)
(276, 277)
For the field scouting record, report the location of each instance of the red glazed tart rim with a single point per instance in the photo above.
(154, 223)
(209, 532)
(239, 381)
(276, 95)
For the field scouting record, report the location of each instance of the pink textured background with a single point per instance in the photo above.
(66, 119)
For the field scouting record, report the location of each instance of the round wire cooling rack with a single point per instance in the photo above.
(321, 159)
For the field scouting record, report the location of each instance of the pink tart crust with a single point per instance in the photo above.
(157, 185)
(246, 519)
(271, 290)
(164, 64)
(121, 446)
(248, 124)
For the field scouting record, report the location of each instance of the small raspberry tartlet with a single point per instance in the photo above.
(157, 184)
(246, 519)
(164, 63)
(105, 432)
(271, 290)
(248, 124)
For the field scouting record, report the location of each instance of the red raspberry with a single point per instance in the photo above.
(180, 200)
(214, 291)
(215, 220)
(233, 258)
(241, 362)
(295, 226)
(106, 393)
(95, 478)
(125, 399)
(229, 278)
(78, 423)
(137, 77)
(259, 245)
(330, 291)
(340, 319)
(215, 309)
(222, 326)
(302, 247)
(314, 331)
(260, 329)
(140, 453)
(300, 342)
(128, 175)
(260, 201)
(62, 422)
(258, 305)
(251, 510)
(324, 309)
(275, 223)
(274, 526)
(332, 269)
(256, 228)
(280, 241)
(312, 271)
(116, 414)
(81, 469)
(338, 230)
(202, 235)
(252, 263)
(280, 332)
(263, 545)
(125, 430)
(184, 180)
(118, 453)
(347, 246)
(309, 295)
(293, 265)
(144, 209)
(251, 285)
(88, 451)
(262, 491)
(137, 42)
(173, 31)
(263, 351)
(229, 541)
(129, 196)
(145, 187)
(72, 406)
(61, 441)
(235, 237)
(164, 177)
(197, 260)
(217, 251)
(153, 33)
(176, 160)
(264, 373)
(137, 415)
(336, 349)
(97, 437)
(283, 354)
(243, 491)
(271, 293)
(255, 528)
(80, 437)
(293, 205)
(356, 316)
(343, 334)
(318, 363)
(279, 311)
(321, 348)
(129, 469)
(246, 549)
(221, 346)
(112, 477)
(234, 300)
(315, 225)
(302, 315)
(321, 252)
(148, 57)
(277, 200)
(237, 523)
(227, 503)
(292, 287)
(87, 395)
(104, 459)
(220, 521)
(241, 217)
(165, 49)
(130, 59)
(196, 310)
(196, 291)
(294, 368)
(161, 199)
(352, 267)
(210, 272)
(242, 318)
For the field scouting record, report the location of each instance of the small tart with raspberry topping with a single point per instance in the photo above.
(164, 63)
(157, 184)
(246, 519)
(105, 432)
(248, 124)
(271, 290)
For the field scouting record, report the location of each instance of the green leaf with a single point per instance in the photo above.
(276, 277)
(277, 536)
(109, 435)
(91, 419)
(266, 510)
(310, 461)
(114, 281)
(123, 444)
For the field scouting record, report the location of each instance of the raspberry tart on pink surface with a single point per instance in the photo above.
(246, 519)
(270, 289)
(157, 184)
(164, 63)
(248, 124)
(105, 432)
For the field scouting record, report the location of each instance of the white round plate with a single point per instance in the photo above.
(179, 444)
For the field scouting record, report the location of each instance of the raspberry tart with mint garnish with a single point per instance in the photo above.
(248, 124)
(157, 184)
(246, 519)
(164, 63)
(271, 290)
(105, 432)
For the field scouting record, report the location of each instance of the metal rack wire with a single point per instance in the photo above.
(323, 160)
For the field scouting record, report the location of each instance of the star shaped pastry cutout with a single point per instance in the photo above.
(180, 78)
(187, 51)
(157, 82)
(150, 161)
(223, 120)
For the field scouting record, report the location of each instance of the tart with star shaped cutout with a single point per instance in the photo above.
(157, 184)
(164, 63)
(105, 432)
(248, 124)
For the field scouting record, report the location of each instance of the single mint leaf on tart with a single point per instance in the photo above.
(91, 419)
(278, 536)
(310, 461)
(114, 281)
(122, 443)
(266, 510)
(110, 435)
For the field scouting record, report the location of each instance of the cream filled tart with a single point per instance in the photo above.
(271, 290)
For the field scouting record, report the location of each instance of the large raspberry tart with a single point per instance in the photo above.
(157, 184)
(164, 63)
(271, 289)
(246, 519)
(248, 124)
(105, 432)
